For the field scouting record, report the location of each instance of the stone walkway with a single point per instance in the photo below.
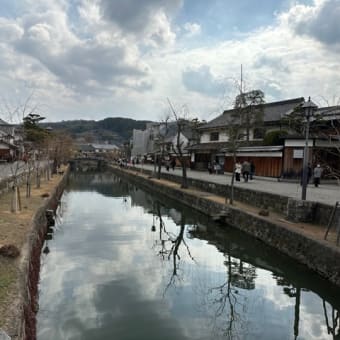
(325, 193)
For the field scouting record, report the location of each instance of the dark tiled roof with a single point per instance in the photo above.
(214, 146)
(272, 112)
(85, 148)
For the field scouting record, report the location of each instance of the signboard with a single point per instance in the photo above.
(298, 153)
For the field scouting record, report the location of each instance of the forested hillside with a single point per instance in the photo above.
(112, 130)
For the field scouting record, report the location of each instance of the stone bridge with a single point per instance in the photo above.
(87, 164)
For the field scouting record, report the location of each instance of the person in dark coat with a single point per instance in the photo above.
(173, 164)
(252, 170)
(210, 168)
(245, 170)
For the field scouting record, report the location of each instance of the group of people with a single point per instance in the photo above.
(246, 169)
(215, 167)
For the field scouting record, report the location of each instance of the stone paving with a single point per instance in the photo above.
(325, 193)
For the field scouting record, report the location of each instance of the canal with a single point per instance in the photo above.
(125, 264)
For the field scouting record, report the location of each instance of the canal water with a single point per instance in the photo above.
(124, 264)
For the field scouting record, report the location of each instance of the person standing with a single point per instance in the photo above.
(210, 168)
(238, 169)
(309, 172)
(252, 170)
(173, 164)
(317, 175)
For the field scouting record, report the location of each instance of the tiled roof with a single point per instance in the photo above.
(272, 112)
(213, 146)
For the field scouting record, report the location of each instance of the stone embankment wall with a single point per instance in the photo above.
(314, 212)
(317, 255)
(30, 265)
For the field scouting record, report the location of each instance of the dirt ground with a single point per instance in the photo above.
(14, 229)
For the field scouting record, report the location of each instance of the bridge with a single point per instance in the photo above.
(88, 164)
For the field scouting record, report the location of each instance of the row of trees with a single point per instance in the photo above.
(40, 151)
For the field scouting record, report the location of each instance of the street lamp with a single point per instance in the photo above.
(308, 109)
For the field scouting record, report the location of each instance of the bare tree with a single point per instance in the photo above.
(178, 147)
(160, 144)
(247, 114)
(17, 113)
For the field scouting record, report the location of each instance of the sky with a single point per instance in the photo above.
(92, 59)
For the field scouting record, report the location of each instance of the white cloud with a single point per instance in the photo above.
(320, 21)
(96, 58)
(192, 29)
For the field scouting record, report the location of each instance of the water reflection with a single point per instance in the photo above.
(124, 264)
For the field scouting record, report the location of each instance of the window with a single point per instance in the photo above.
(259, 133)
(214, 136)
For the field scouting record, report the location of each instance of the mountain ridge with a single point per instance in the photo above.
(112, 130)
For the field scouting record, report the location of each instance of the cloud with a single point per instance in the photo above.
(147, 18)
(320, 21)
(201, 80)
(192, 29)
(83, 65)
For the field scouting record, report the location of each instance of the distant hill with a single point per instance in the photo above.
(112, 130)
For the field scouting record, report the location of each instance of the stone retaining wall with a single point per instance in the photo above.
(317, 213)
(317, 255)
(30, 266)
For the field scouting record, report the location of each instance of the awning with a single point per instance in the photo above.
(257, 151)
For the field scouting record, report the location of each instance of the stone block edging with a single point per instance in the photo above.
(319, 256)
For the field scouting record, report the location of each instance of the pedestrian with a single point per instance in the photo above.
(317, 175)
(210, 168)
(238, 169)
(167, 165)
(245, 170)
(173, 164)
(252, 170)
(217, 168)
(309, 172)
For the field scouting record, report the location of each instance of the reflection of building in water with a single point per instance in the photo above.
(104, 183)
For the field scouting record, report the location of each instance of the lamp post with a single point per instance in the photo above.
(309, 108)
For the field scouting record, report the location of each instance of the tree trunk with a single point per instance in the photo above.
(231, 198)
(184, 184)
(16, 200)
(28, 184)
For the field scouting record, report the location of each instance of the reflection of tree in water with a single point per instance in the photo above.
(226, 301)
(169, 244)
(332, 321)
(293, 292)
(331, 314)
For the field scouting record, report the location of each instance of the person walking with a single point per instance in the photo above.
(238, 170)
(245, 170)
(317, 175)
(173, 164)
(252, 170)
(309, 172)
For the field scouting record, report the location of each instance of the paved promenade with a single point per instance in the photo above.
(325, 193)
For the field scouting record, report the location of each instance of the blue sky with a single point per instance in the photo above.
(91, 59)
